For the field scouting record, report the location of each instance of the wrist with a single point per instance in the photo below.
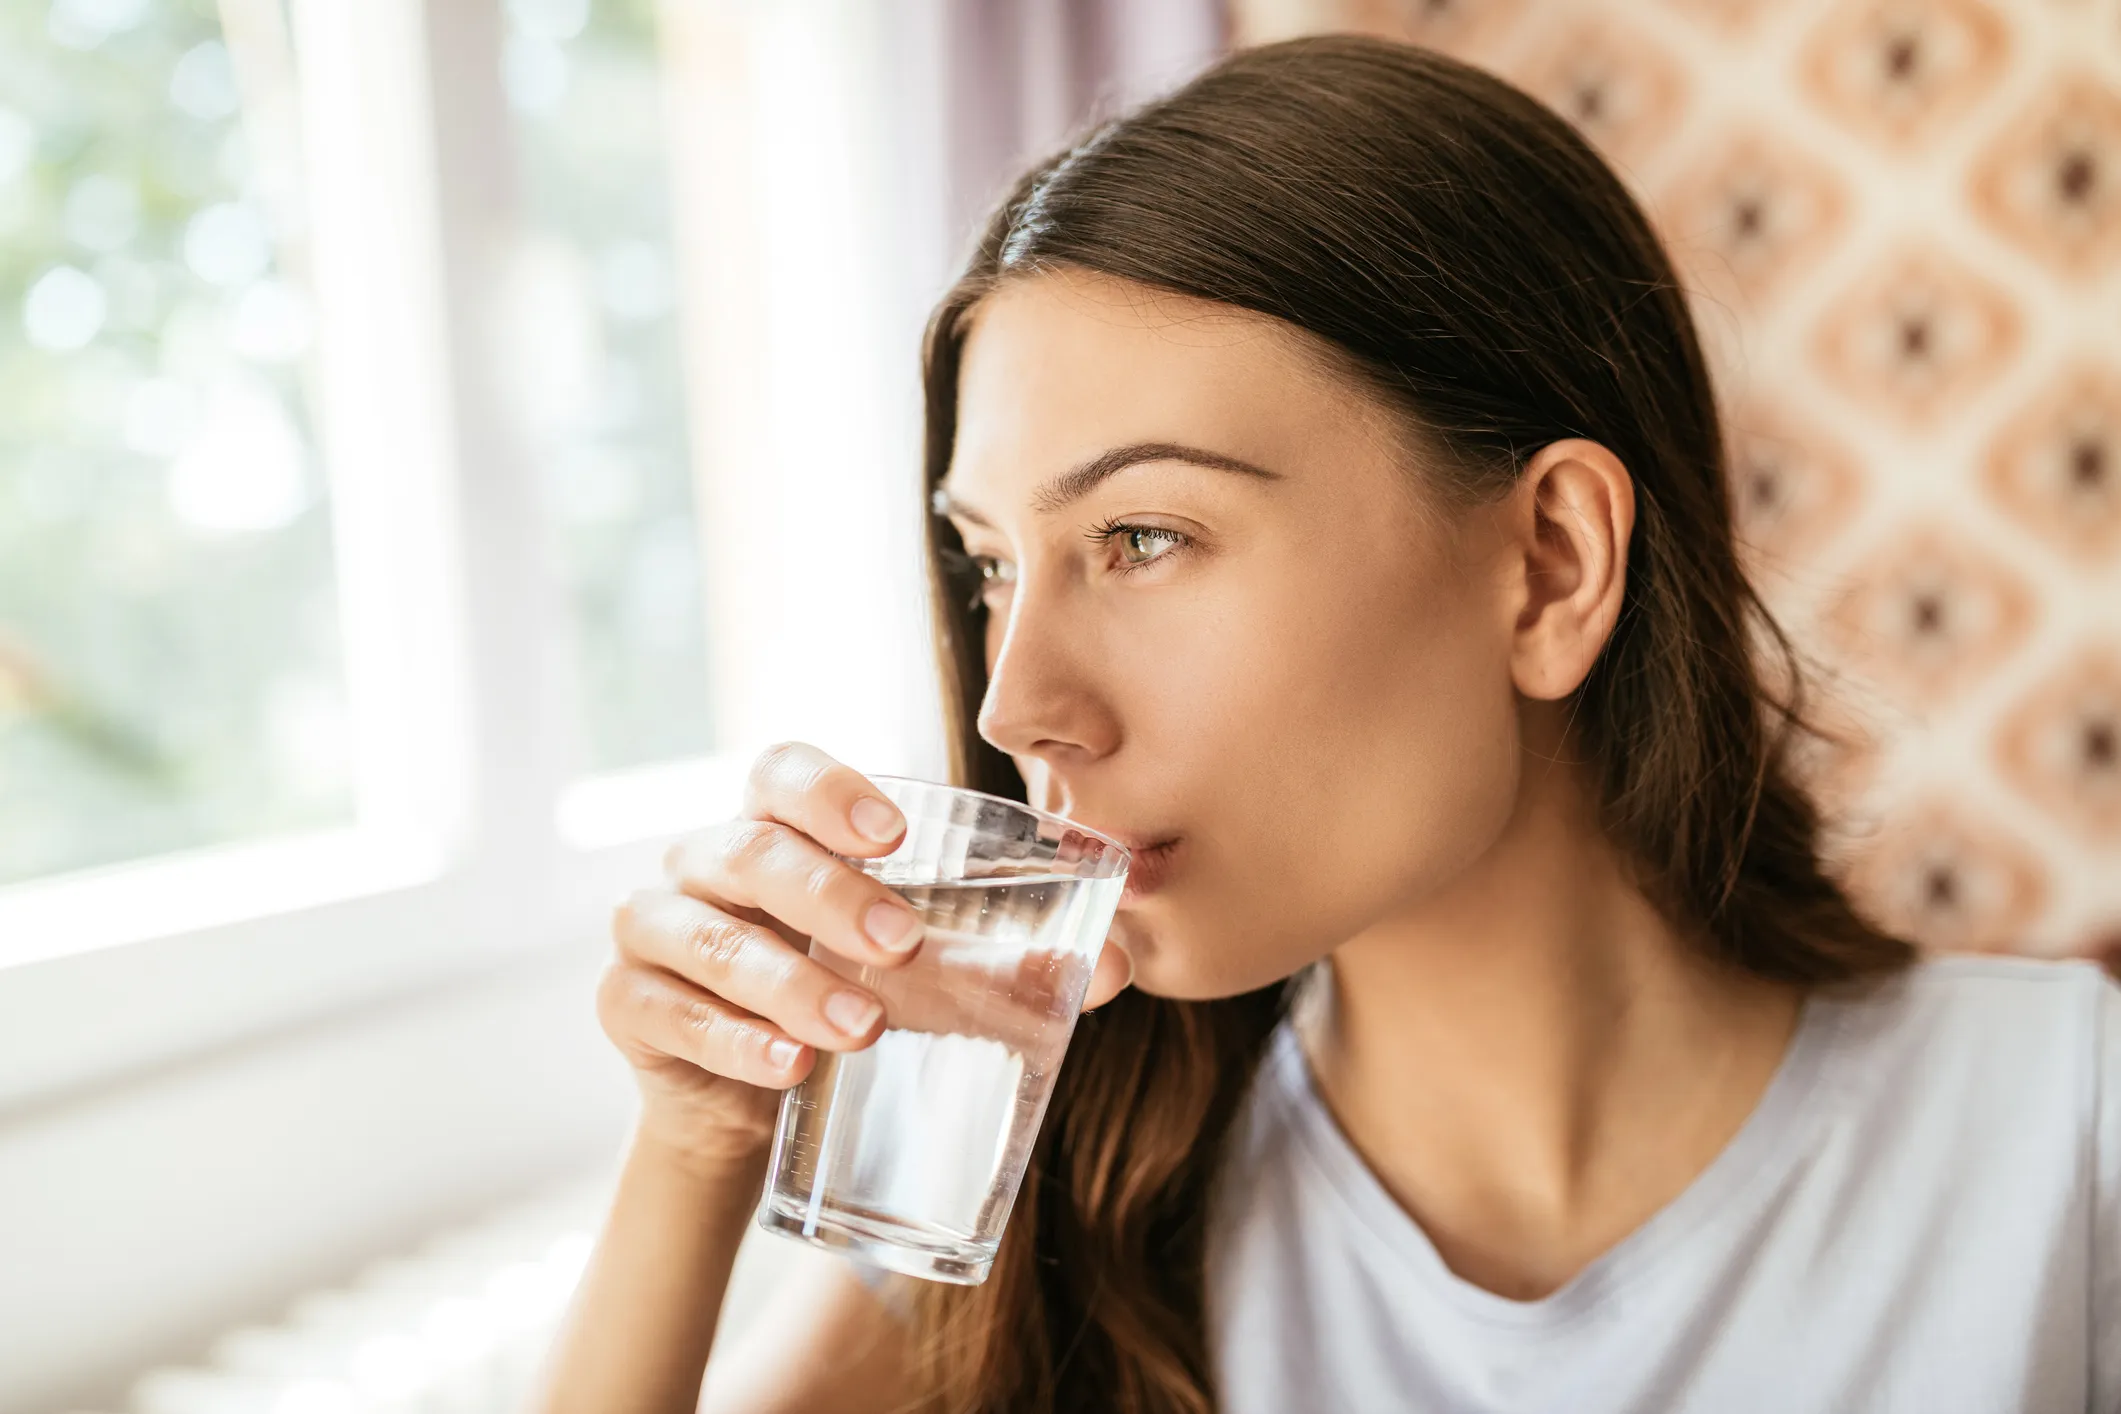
(711, 1159)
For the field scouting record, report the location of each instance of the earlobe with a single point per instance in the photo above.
(1575, 520)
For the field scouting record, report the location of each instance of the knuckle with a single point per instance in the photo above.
(617, 997)
(793, 768)
(701, 1021)
(628, 915)
(606, 994)
(782, 764)
(822, 882)
(751, 844)
(719, 943)
(788, 971)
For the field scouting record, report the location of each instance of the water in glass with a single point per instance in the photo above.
(908, 1154)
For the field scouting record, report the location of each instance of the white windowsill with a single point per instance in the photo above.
(260, 937)
(185, 892)
(667, 798)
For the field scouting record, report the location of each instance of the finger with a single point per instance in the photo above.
(764, 865)
(799, 785)
(764, 919)
(1115, 970)
(1021, 1001)
(749, 965)
(647, 1010)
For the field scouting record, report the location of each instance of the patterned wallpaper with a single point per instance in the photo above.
(1900, 221)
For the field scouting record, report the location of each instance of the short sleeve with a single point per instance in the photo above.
(2106, 1207)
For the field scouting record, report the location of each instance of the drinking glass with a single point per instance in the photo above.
(908, 1154)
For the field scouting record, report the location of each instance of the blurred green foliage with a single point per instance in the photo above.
(169, 654)
(163, 683)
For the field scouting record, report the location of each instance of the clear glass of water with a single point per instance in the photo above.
(907, 1155)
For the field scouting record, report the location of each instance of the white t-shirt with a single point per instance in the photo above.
(1923, 1214)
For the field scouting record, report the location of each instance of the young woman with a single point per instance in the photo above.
(1330, 502)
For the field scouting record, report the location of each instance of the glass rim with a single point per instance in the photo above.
(1032, 810)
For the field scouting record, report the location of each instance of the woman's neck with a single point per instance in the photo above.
(1537, 1062)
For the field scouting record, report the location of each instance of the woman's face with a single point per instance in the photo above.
(1226, 623)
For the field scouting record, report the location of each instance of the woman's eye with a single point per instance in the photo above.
(985, 580)
(993, 572)
(977, 577)
(1140, 544)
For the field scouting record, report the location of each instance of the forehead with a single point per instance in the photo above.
(1060, 367)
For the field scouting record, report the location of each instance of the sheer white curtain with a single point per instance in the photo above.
(832, 161)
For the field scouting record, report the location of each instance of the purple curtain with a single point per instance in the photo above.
(1024, 75)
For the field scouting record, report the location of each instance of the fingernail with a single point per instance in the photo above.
(892, 928)
(781, 1054)
(876, 819)
(852, 1012)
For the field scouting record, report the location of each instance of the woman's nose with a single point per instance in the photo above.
(1044, 697)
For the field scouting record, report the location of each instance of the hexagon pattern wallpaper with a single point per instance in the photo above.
(1900, 223)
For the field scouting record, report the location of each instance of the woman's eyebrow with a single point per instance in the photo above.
(1075, 483)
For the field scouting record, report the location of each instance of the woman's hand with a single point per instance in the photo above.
(711, 995)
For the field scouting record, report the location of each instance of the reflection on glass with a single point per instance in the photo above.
(599, 372)
(169, 657)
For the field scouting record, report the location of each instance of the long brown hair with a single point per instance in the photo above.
(1475, 263)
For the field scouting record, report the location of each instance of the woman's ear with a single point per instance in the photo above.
(1570, 516)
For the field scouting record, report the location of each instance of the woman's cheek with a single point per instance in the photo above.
(1437, 780)
(1393, 765)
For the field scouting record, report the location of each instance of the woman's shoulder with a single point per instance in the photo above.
(1981, 1053)
(1955, 1063)
(1979, 1066)
(1984, 1010)
(1984, 1101)
(2012, 977)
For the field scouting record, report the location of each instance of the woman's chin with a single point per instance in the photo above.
(1170, 964)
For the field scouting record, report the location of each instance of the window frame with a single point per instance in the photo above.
(478, 843)
(473, 843)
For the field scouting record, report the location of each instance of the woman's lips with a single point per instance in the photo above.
(1150, 866)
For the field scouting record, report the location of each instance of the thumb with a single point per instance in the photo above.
(1115, 969)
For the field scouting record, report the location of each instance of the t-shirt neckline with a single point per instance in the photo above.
(1765, 1148)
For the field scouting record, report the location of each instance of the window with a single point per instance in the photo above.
(170, 664)
(393, 556)
(599, 377)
